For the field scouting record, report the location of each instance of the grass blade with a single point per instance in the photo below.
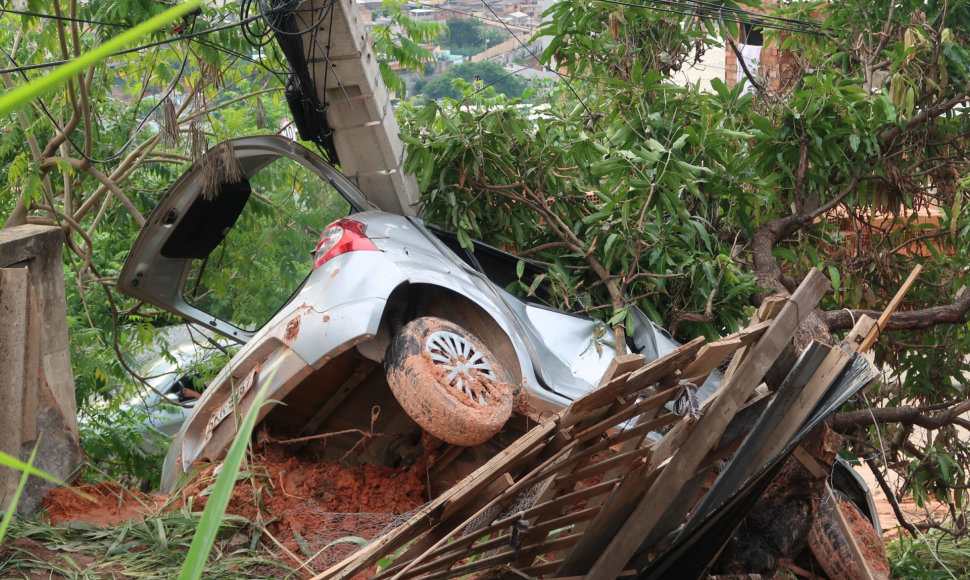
(16, 495)
(215, 508)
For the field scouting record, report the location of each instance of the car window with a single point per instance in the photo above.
(251, 272)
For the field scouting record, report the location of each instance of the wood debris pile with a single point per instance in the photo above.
(625, 483)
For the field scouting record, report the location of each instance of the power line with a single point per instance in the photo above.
(61, 18)
(142, 47)
(712, 11)
(134, 133)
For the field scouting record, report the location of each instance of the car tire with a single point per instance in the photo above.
(831, 548)
(448, 381)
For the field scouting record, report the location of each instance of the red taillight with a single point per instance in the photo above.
(342, 236)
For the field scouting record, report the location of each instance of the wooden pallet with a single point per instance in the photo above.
(605, 483)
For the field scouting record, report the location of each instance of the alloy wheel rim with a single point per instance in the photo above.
(465, 367)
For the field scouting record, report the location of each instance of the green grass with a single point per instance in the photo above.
(154, 548)
(920, 558)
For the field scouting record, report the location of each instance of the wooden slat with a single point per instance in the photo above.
(436, 533)
(486, 544)
(893, 305)
(848, 533)
(622, 460)
(853, 340)
(770, 307)
(606, 391)
(830, 369)
(504, 558)
(651, 403)
(627, 518)
(639, 379)
(713, 354)
(662, 367)
(736, 472)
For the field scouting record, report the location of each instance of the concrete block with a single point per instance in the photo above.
(39, 249)
(37, 397)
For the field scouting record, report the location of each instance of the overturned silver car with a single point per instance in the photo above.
(394, 328)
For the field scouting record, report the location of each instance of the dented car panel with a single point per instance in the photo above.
(325, 348)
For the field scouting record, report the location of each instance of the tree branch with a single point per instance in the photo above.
(955, 313)
(906, 414)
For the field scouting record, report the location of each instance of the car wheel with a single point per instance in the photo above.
(831, 548)
(448, 381)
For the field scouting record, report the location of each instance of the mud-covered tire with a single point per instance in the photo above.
(831, 548)
(448, 381)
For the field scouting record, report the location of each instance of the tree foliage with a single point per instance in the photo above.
(470, 36)
(95, 157)
(698, 205)
(479, 75)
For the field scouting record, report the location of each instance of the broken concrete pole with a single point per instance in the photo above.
(37, 406)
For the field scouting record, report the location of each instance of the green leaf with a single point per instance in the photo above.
(215, 508)
(854, 142)
(836, 280)
(24, 94)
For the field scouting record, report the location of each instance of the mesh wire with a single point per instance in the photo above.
(330, 537)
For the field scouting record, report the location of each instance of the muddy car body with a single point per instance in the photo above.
(381, 285)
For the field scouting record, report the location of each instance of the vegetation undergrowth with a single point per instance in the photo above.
(153, 548)
(936, 554)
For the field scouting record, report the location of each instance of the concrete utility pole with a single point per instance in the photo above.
(340, 55)
(37, 409)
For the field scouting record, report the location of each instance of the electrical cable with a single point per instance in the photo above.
(137, 48)
(61, 18)
(763, 21)
(298, 32)
(593, 118)
(134, 133)
(279, 74)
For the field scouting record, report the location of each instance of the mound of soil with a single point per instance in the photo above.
(104, 504)
(311, 508)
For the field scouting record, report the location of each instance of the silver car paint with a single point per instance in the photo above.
(341, 304)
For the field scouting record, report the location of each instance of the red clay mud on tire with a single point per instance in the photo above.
(832, 550)
(449, 382)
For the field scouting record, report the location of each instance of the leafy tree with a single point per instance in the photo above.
(95, 157)
(697, 206)
(480, 75)
(469, 36)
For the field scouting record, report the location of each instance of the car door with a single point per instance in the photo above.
(226, 249)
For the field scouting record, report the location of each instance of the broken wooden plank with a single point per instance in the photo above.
(736, 472)
(641, 378)
(848, 533)
(893, 305)
(770, 307)
(826, 374)
(861, 329)
(713, 354)
(617, 533)
(663, 367)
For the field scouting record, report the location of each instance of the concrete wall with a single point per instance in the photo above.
(37, 409)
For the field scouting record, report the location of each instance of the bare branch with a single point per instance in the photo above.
(906, 414)
(955, 313)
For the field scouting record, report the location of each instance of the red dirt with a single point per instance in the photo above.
(292, 329)
(111, 504)
(304, 504)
